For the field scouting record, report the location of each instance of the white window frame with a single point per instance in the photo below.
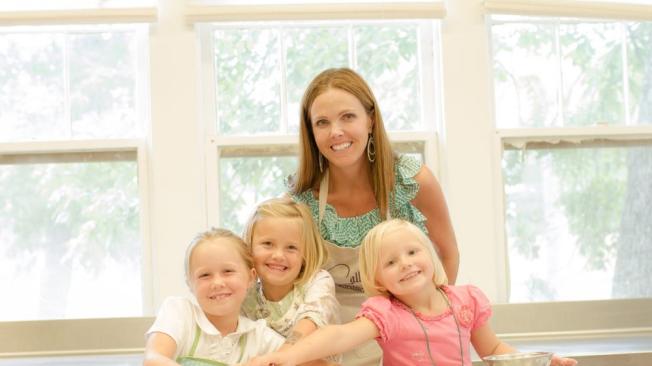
(624, 324)
(273, 145)
(50, 337)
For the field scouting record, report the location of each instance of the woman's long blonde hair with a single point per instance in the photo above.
(308, 174)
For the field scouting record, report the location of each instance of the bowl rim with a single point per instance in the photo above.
(517, 356)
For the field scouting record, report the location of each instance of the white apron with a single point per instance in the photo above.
(342, 264)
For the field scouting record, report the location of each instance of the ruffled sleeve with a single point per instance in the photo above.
(472, 307)
(379, 310)
(405, 189)
(319, 302)
(482, 306)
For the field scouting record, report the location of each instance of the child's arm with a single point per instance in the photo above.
(486, 343)
(159, 350)
(330, 340)
(300, 330)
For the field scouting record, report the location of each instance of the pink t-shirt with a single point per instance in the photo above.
(401, 336)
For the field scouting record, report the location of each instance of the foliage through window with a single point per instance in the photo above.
(575, 209)
(70, 207)
(262, 69)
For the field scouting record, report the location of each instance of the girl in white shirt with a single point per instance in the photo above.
(207, 328)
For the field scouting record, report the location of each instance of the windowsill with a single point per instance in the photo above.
(612, 347)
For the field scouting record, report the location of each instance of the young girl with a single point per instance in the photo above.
(207, 329)
(293, 295)
(414, 316)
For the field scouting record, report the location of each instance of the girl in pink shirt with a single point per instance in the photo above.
(416, 318)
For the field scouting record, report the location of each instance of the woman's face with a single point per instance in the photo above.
(341, 127)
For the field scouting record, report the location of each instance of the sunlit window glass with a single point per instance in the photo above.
(248, 180)
(553, 72)
(70, 237)
(262, 70)
(578, 223)
(70, 83)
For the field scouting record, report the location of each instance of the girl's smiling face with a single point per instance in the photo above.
(219, 278)
(278, 251)
(405, 267)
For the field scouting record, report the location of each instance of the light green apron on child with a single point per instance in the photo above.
(191, 360)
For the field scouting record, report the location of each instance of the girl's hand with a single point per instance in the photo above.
(561, 361)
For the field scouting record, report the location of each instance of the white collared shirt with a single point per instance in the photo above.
(179, 317)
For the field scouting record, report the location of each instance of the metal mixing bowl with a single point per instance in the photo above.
(519, 359)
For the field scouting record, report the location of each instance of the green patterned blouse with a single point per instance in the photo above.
(349, 231)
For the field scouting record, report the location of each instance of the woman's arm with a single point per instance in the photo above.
(432, 204)
(159, 350)
(330, 340)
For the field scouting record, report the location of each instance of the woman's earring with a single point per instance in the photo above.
(371, 149)
(321, 163)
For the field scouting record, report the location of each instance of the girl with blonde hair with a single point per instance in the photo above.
(206, 328)
(293, 294)
(416, 318)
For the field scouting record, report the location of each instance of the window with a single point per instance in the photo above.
(259, 72)
(571, 102)
(71, 113)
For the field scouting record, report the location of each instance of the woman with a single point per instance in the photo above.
(352, 180)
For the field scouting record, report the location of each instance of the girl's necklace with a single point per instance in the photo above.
(425, 332)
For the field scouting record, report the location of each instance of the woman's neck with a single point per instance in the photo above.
(225, 324)
(351, 179)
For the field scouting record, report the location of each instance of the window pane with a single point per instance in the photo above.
(309, 51)
(248, 82)
(639, 54)
(70, 240)
(592, 70)
(550, 72)
(103, 74)
(578, 223)
(387, 57)
(261, 66)
(58, 83)
(246, 181)
(32, 86)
